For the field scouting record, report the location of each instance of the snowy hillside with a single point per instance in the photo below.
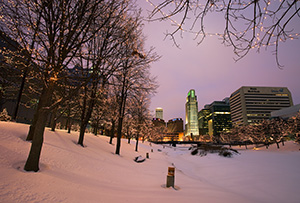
(70, 173)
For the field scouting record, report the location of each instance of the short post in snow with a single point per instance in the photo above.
(171, 177)
(147, 155)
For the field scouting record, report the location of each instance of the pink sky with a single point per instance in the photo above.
(211, 70)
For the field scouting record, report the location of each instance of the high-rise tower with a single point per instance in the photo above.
(191, 114)
(159, 113)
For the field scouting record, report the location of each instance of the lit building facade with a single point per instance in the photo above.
(191, 114)
(159, 113)
(215, 118)
(175, 125)
(174, 130)
(203, 118)
(252, 104)
(157, 122)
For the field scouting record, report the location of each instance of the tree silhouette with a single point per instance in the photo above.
(248, 24)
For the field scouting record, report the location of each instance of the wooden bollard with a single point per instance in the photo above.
(147, 155)
(171, 177)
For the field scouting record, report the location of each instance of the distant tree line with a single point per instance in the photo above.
(266, 132)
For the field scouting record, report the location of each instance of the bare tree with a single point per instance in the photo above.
(53, 32)
(133, 78)
(293, 126)
(158, 133)
(248, 24)
(128, 126)
(103, 57)
(140, 113)
(133, 74)
(112, 113)
(267, 132)
(231, 136)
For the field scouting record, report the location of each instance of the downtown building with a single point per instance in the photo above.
(214, 119)
(157, 122)
(191, 115)
(175, 125)
(175, 130)
(159, 113)
(250, 105)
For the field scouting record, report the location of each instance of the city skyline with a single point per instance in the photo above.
(203, 107)
(211, 70)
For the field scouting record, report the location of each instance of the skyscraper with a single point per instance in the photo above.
(159, 113)
(191, 114)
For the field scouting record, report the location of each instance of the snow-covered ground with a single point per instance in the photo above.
(70, 173)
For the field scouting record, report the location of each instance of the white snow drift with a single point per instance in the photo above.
(71, 173)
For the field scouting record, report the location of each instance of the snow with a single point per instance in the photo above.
(71, 173)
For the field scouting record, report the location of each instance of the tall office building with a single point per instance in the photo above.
(215, 118)
(203, 118)
(191, 114)
(159, 113)
(252, 104)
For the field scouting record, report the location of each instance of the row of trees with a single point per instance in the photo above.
(266, 132)
(88, 59)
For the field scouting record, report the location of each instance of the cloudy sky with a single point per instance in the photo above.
(210, 68)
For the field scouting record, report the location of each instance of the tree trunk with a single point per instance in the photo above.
(82, 128)
(137, 142)
(86, 116)
(119, 135)
(122, 105)
(85, 121)
(112, 132)
(277, 143)
(128, 140)
(81, 133)
(32, 127)
(120, 123)
(68, 122)
(53, 120)
(20, 91)
(95, 131)
(70, 126)
(33, 124)
(32, 163)
(96, 128)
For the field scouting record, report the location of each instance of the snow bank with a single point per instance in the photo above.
(71, 173)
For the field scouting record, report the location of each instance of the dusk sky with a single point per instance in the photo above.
(210, 69)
